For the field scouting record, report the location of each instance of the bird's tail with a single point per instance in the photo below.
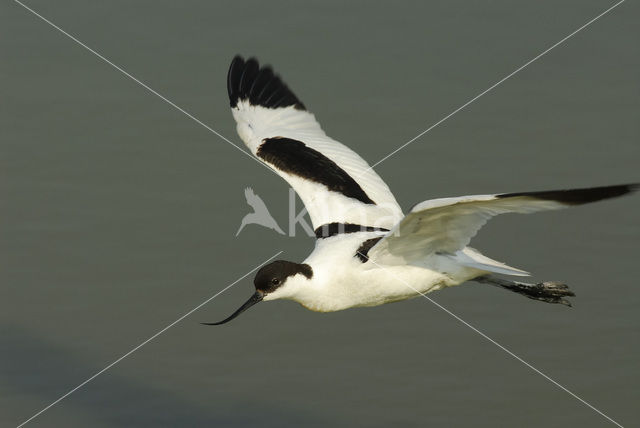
(474, 259)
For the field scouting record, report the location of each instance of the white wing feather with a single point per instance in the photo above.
(255, 123)
(447, 225)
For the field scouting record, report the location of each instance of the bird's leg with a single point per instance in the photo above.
(548, 291)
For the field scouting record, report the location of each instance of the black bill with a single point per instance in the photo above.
(256, 298)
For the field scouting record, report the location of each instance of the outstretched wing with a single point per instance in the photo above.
(447, 225)
(335, 184)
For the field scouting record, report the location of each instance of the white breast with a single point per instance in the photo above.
(341, 280)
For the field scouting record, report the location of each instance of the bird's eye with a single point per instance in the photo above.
(275, 281)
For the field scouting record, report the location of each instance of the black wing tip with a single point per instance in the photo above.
(580, 196)
(247, 80)
(233, 75)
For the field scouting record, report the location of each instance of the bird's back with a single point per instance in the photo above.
(342, 279)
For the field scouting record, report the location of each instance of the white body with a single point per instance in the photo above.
(341, 280)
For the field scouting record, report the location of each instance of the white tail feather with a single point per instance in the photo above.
(473, 259)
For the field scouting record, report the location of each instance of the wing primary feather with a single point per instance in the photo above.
(249, 74)
(268, 89)
(246, 80)
(274, 98)
(265, 75)
(233, 79)
(577, 196)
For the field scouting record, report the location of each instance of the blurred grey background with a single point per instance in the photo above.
(119, 213)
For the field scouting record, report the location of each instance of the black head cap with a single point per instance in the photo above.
(274, 275)
(268, 279)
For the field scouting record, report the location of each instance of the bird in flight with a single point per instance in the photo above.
(260, 214)
(367, 252)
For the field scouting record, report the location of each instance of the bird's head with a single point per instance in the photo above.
(277, 280)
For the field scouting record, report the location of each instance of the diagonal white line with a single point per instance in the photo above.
(139, 82)
(546, 51)
(146, 341)
(496, 343)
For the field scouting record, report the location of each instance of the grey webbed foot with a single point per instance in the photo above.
(547, 291)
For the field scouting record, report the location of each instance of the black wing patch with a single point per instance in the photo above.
(331, 229)
(578, 196)
(246, 80)
(295, 157)
(363, 251)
